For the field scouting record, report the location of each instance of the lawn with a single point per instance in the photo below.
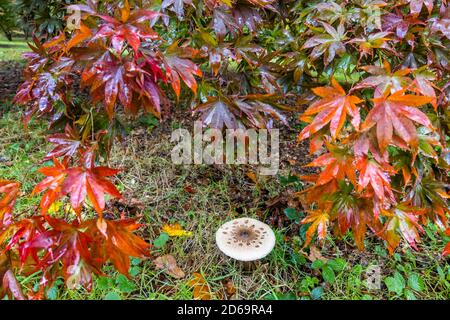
(12, 50)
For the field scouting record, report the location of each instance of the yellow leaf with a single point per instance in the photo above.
(55, 207)
(68, 208)
(175, 230)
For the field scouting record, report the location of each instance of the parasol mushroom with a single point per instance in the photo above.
(245, 239)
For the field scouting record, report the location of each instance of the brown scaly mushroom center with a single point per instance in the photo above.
(245, 234)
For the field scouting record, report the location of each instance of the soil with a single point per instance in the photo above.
(10, 78)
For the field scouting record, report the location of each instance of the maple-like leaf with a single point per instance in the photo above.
(118, 242)
(394, 115)
(328, 44)
(331, 109)
(378, 178)
(319, 220)
(338, 163)
(52, 184)
(67, 143)
(178, 66)
(232, 112)
(10, 191)
(402, 222)
(91, 183)
(383, 79)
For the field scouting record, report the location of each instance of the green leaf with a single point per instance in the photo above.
(395, 284)
(161, 240)
(124, 284)
(337, 264)
(328, 274)
(410, 295)
(104, 283)
(134, 271)
(292, 214)
(112, 296)
(415, 282)
(317, 264)
(317, 293)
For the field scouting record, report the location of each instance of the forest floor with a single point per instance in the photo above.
(200, 198)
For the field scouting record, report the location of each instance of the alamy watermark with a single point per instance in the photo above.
(237, 147)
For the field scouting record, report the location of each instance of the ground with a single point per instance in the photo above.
(201, 198)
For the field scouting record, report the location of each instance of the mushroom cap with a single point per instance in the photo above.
(245, 239)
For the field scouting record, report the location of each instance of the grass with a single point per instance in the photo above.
(222, 193)
(12, 50)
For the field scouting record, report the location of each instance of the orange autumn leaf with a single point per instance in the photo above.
(331, 109)
(319, 221)
(394, 116)
(201, 290)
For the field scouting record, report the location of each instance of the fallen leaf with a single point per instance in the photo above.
(315, 254)
(175, 230)
(201, 287)
(169, 265)
(252, 176)
(189, 189)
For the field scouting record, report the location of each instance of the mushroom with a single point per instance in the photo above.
(246, 240)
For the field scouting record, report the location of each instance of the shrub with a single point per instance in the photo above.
(374, 76)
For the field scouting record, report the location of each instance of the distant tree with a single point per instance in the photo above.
(45, 17)
(8, 18)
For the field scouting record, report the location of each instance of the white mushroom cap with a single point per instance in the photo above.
(245, 239)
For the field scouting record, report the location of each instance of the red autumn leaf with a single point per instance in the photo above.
(178, 67)
(10, 191)
(338, 164)
(67, 143)
(394, 114)
(319, 220)
(332, 109)
(12, 286)
(378, 178)
(91, 183)
(119, 243)
(403, 221)
(382, 79)
(52, 184)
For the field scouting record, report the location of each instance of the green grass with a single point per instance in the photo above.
(222, 193)
(12, 50)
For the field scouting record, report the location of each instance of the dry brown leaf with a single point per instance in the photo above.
(169, 265)
(315, 254)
